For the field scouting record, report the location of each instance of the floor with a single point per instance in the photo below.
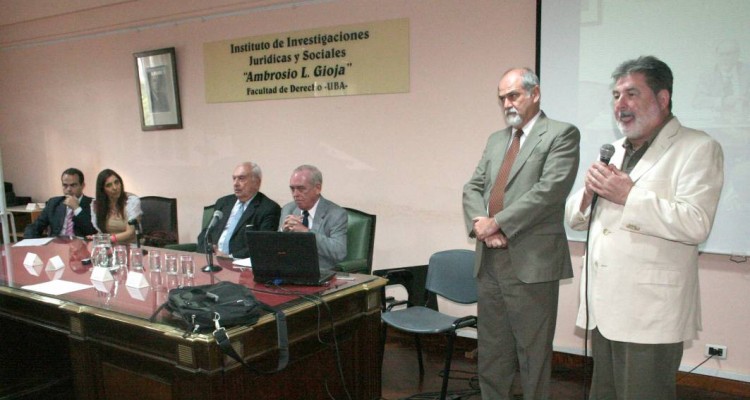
(401, 377)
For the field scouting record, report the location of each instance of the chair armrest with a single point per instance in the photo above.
(183, 247)
(358, 266)
(396, 304)
(464, 322)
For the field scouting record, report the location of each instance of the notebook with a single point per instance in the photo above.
(285, 258)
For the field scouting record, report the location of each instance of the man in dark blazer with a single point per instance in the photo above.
(522, 250)
(246, 209)
(312, 212)
(67, 215)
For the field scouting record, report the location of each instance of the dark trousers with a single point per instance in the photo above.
(632, 371)
(516, 327)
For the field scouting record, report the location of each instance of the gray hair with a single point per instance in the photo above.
(658, 75)
(528, 78)
(254, 169)
(316, 177)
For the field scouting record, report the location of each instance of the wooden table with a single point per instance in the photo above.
(114, 352)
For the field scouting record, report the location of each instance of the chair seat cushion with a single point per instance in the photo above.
(419, 320)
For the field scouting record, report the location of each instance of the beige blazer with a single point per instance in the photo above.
(540, 180)
(643, 266)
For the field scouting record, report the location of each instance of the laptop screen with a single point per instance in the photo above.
(291, 257)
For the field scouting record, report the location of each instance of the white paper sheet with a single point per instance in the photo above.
(33, 242)
(243, 262)
(56, 287)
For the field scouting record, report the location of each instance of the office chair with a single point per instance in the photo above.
(208, 212)
(159, 221)
(450, 274)
(360, 242)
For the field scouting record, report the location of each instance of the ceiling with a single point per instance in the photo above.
(36, 22)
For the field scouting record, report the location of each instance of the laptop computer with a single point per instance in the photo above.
(285, 258)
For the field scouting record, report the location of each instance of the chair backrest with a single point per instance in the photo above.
(360, 236)
(451, 274)
(159, 218)
(208, 213)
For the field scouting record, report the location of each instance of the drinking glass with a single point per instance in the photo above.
(187, 265)
(120, 258)
(173, 281)
(102, 251)
(154, 260)
(170, 262)
(136, 260)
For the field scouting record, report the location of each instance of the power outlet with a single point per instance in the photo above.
(716, 350)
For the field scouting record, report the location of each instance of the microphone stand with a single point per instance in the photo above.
(138, 234)
(210, 267)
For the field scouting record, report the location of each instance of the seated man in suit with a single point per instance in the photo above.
(247, 207)
(311, 212)
(67, 215)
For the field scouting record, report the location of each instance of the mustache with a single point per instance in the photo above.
(511, 110)
(625, 114)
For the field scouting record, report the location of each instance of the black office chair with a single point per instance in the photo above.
(360, 242)
(450, 274)
(159, 221)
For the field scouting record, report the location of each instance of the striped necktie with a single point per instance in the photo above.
(68, 226)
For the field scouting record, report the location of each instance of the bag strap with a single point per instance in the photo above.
(222, 339)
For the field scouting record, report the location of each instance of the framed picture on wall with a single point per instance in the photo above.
(158, 89)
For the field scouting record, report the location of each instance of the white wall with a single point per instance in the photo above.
(404, 157)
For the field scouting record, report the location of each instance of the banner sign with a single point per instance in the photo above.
(347, 60)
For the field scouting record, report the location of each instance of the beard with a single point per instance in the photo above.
(512, 117)
(641, 126)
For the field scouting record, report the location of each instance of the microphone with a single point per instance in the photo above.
(605, 154)
(210, 267)
(134, 222)
(217, 216)
(214, 220)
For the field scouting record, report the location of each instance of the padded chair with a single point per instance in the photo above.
(360, 242)
(451, 275)
(208, 213)
(159, 221)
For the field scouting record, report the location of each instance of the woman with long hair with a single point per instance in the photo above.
(113, 208)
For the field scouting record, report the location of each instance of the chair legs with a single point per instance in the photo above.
(418, 345)
(447, 368)
(448, 358)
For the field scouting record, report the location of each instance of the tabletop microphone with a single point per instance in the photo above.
(210, 267)
(134, 222)
(216, 217)
(605, 154)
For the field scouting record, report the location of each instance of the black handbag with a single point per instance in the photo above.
(213, 308)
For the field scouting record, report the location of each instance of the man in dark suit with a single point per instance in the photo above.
(246, 209)
(514, 205)
(67, 215)
(312, 212)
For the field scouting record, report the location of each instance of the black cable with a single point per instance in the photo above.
(318, 301)
(586, 257)
(696, 367)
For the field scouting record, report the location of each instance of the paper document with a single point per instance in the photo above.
(243, 262)
(33, 242)
(56, 287)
